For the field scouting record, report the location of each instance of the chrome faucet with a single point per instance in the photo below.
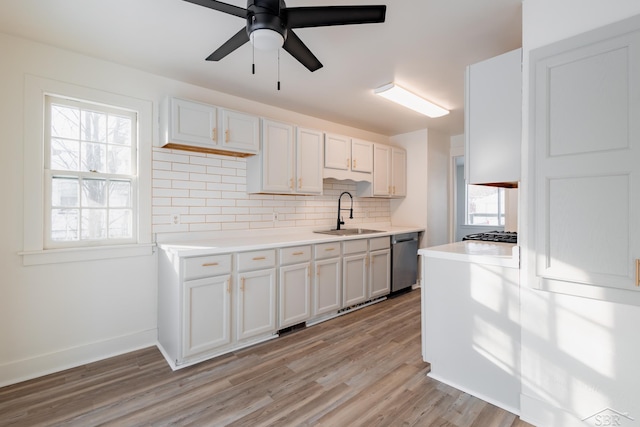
(340, 222)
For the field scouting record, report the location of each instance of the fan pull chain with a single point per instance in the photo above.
(253, 59)
(278, 69)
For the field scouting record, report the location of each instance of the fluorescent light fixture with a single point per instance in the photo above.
(407, 99)
(266, 39)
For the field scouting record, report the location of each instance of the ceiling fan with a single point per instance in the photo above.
(270, 24)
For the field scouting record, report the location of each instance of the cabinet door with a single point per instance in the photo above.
(240, 131)
(256, 303)
(354, 279)
(587, 166)
(192, 122)
(277, 157)
(379, 272)
(326, 287)
(337, 152)
(381, 170)
(206, 314)
(309, 161)
(398, 172)
(361, 156)
(295, 294)
(493, 117)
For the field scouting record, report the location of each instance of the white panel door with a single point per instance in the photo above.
(294, 294)
(193, 122)
(587, 139)
(361, 155)
(256, 303)
(354, 279)
(381, 170)
(327, 289)
(309, 160)
(337, 152)
(398, 172)
(379, 273)
(277, 157)
(240, 131)
(206, 321)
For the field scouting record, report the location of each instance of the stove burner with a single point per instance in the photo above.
(494, 236)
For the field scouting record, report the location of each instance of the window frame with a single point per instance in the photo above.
(35, 250)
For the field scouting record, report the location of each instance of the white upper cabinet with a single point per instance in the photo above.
(195, 126)
(308, 161)
(287, 163)
(389, 173)
(398, 172)
(347, 158)
(192, 122)
(585, 158)
(493, 120)
(240, 131)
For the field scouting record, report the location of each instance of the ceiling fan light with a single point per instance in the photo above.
(266, 39)
(410, 100)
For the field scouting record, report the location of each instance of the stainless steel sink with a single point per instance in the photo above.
(349, 231)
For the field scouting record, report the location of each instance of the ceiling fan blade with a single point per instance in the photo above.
(320, 16)
(239, 38)
(221, 7)
(301, 52)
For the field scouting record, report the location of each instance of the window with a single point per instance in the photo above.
(90, 174)
(485, 205)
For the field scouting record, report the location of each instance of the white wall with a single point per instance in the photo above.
(579, 356)
(61, 315)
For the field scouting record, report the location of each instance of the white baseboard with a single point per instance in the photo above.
(26, 369)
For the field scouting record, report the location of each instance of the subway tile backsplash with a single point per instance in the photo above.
(196, 192)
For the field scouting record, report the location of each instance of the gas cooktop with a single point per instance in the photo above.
(494, 236)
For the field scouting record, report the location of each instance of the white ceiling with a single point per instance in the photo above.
(424, 45)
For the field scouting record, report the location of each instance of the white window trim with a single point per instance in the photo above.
(34, 252)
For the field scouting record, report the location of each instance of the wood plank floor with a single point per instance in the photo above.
(361, 369)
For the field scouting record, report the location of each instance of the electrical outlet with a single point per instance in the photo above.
(275, 216)
(175, 219)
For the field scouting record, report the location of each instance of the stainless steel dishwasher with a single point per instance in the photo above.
(404, 261)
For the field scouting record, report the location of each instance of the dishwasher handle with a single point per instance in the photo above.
(404, 238)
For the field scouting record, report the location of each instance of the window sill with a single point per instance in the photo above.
(56, 256)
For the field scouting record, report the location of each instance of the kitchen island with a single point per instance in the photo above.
(470, 319)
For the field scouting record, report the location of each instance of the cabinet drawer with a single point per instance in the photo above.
(355, 246)
(327, 250)
(295, 254)
(256, 260)
(379, 243)
(206, 266)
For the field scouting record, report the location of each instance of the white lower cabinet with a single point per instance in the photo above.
(210, 305)
(379, 273)
(354, 272)
(327, 289)
(206, 314)
(256, 294)
(294, 286)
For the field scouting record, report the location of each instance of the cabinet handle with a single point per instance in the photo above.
(394, 189)
(389, 189)
(348, 163)
(637, 272)
(229, 286)
(299, 182)
(330, 249)
(298, 253)
(308, 272)
(209, 264)
(214, 134)
(242, 284)
(226, 135)
(259, 258)
(291, 183)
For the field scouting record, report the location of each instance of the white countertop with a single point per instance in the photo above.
(489, 253)
(247, 240)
